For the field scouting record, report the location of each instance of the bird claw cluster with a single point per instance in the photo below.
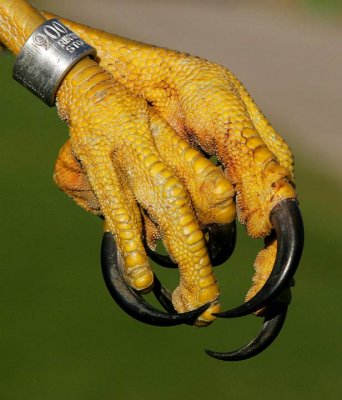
(143, 121)
(197, 109)
(274, 297)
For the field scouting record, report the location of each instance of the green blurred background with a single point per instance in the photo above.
(61, 335)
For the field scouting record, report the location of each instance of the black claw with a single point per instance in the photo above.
(160, 259)
(273, 322)
(221, 244)
(287, 222)
(163, 295)
(128, 299)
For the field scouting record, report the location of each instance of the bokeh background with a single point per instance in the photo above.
(61, 336)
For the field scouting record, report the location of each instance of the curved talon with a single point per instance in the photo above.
(128, 299)
(288, 224)
(221, 244)
(163, 295)
(161, 259)
(274, 320)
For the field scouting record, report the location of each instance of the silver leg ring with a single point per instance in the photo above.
(47, 56)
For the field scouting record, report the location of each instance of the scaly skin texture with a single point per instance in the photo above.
(208, 106)
(134, 123)
(263, 267)
(112, 144)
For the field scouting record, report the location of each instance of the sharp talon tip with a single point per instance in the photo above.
(164, 298)
(288, 224)
(273, 323)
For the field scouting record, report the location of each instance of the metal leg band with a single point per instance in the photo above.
(47, 56)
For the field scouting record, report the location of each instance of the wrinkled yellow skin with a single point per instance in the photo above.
(137, 122)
